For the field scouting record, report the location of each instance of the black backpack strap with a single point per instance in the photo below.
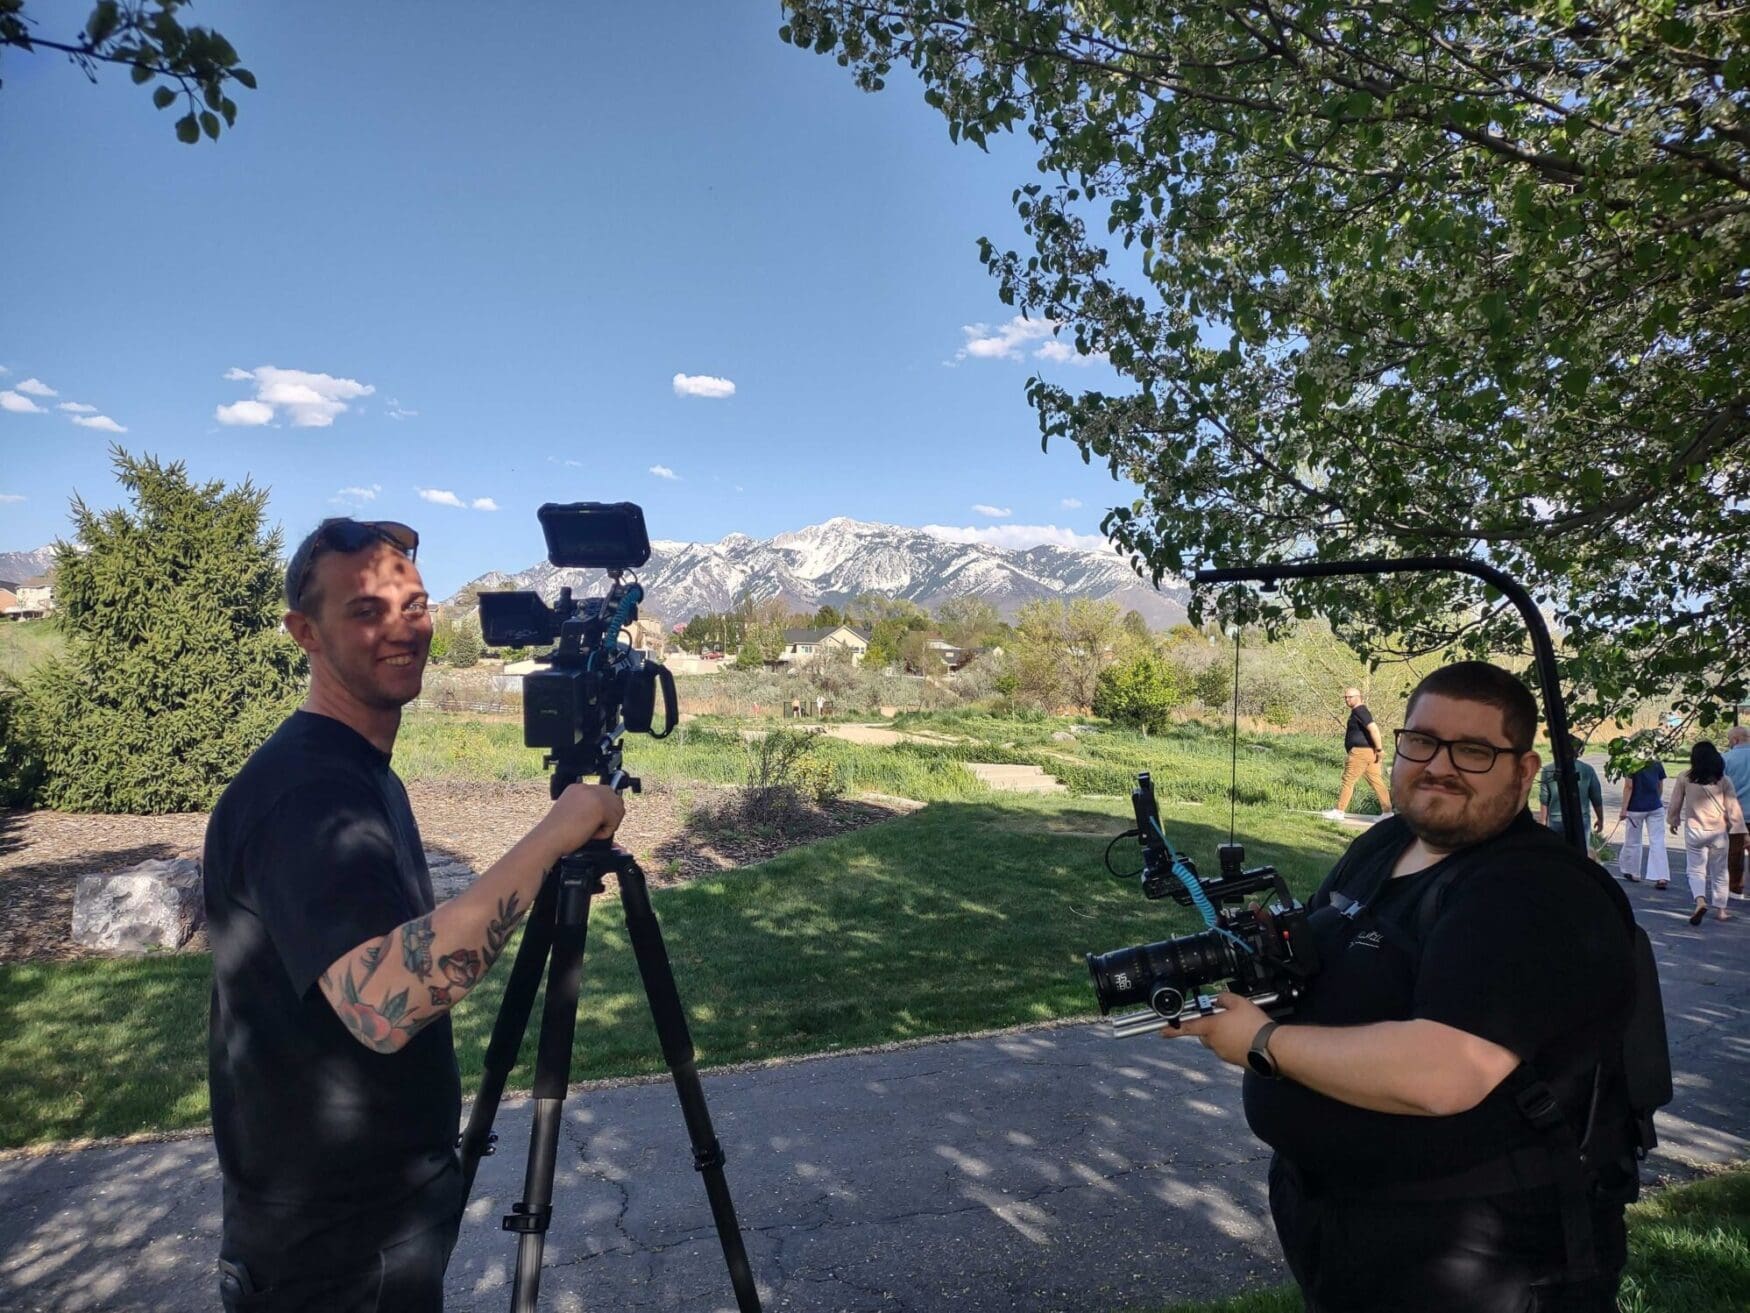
(1384, 834)
(1537, 1103)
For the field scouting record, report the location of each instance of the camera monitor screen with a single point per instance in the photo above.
(516, 620)
(595, 535)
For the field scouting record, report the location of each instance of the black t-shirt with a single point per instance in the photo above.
(329, 1151)
(1355, 733)
(1533, 957)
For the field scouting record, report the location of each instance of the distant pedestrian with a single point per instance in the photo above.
(1549, 796)
(1738, 771)
(819, 706)
(1643, 809)
(1705, 804)
(1363, 753)
(796, 708)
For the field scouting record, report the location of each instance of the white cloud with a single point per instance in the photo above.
(398, 411)
(308, 400)
(702, 385)
(348, 496)
(1010, 342)
(10, 400)
(77, 408)
(1020, 536)
(995, 512)
(663, 472)
(245, 413)
(37, 388)
(8, 498)
(103, 422)
(1071, 503)
(444, 497)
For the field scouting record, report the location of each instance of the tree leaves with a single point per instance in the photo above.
(1392, 278)
(148, 39)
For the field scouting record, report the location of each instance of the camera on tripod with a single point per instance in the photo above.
(597, 689)
(1256, 949)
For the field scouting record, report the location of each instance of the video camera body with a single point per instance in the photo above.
(1258, 950)
(597, 689)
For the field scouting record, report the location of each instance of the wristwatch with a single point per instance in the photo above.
(1258, 1056)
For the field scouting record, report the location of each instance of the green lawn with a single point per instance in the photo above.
(1191, 763)
(963, 916)
(27, 643)
(1689, 1252)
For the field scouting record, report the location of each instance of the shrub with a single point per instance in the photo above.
(1140, 693)
(175, 668)
(21, 763)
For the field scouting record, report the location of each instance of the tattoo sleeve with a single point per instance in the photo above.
(386, 1018)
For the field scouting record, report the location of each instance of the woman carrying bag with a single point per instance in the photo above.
(1706, 808)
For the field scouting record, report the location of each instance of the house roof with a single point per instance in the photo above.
(816, 635)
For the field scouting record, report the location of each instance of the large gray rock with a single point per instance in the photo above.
(153, 906)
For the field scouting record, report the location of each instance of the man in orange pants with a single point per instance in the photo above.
(1362, 743)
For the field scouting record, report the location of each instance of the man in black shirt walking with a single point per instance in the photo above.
(1363, 752)
(335, 1093)
(1468, 958)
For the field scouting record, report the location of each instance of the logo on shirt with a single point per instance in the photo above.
(1367, 939)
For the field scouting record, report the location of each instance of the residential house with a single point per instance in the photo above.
(804, 645)
(33, 598)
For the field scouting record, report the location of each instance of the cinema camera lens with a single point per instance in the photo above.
(1252, 949)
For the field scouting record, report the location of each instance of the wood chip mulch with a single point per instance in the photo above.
(43, 853)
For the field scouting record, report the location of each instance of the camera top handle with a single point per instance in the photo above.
(1555, 710)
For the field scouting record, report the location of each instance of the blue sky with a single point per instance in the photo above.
(467, 250)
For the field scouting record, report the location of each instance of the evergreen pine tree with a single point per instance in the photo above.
(466, 647)
(176, 668)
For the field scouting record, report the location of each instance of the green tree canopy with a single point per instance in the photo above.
(176, 668)
(192, 67)
(1409, 276)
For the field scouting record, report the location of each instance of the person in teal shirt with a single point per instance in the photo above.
(1549, 798)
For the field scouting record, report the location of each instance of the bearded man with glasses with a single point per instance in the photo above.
(335, 1093)
(1461, 1039)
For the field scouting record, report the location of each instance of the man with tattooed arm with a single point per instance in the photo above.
(335, 1094)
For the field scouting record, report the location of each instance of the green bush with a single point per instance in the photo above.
(21, 762)
(176, 668)
(1140, 693)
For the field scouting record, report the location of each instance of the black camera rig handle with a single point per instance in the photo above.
(1555, 710)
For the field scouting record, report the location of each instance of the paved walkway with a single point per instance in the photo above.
(1047, 1169)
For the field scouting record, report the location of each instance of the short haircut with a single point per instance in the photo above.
(1736, 735)
(1478, 681)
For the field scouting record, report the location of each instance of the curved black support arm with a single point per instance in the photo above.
(1555, 710)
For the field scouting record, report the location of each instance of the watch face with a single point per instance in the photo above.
(1261, 1064)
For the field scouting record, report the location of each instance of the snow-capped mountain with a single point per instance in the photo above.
(16, 567)
(843, 558)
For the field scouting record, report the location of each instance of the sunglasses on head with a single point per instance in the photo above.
(348, 536)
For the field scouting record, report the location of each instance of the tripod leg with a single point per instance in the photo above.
(529, 1218)
(677, 1050)
(508, 1030)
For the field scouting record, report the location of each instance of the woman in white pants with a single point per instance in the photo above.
(1644, 809)
(1705, 806)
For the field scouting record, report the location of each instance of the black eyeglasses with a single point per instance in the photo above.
(344, 536)
(1468, 755)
